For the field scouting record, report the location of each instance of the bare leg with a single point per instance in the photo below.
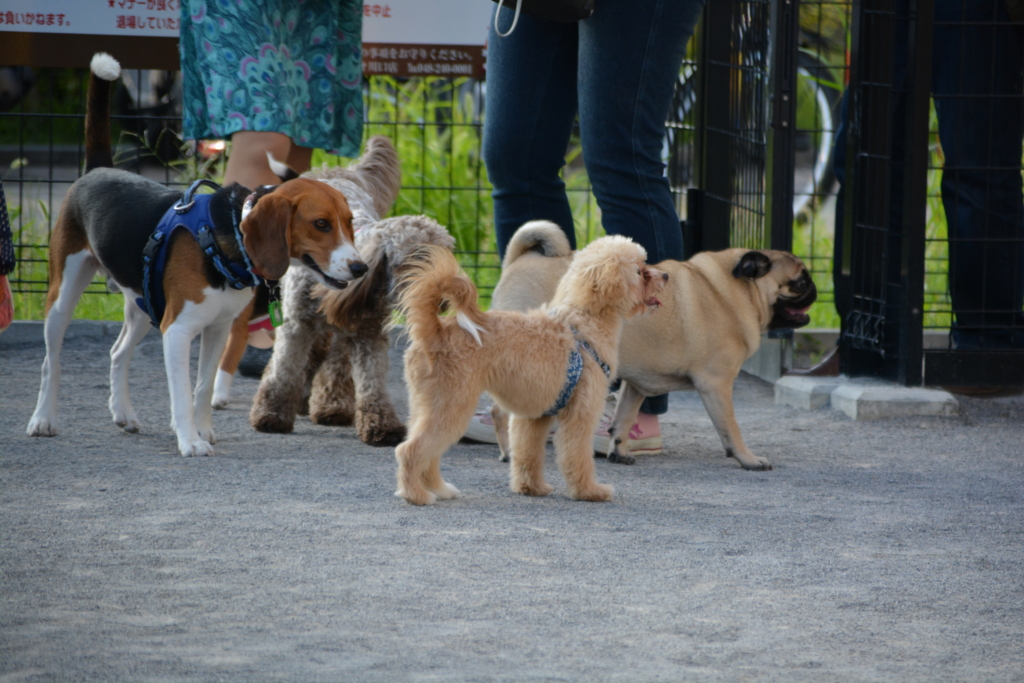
(247, 163)
(299, 158)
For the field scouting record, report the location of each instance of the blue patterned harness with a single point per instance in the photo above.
(192, 212)
(572, 375)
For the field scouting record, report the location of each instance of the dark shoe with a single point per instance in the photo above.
(826, 367)
(254, 361)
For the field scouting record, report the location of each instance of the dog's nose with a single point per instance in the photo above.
(358, 268)
(664, 276)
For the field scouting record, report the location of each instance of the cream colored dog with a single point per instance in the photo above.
(554, 361)
(713, 312)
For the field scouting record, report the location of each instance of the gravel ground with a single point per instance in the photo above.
(885, 551)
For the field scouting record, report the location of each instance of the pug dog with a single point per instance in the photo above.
(714, 308)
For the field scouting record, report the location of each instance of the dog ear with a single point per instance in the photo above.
(366, 298)
(752, 265)
(266, 232)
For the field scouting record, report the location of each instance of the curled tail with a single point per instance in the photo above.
(543, 237)
(98, 147)
(433, 278)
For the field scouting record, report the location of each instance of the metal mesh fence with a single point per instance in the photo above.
(435, 123)
(721, 99)
(822, 75)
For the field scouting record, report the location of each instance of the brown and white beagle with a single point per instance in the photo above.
(107, 220)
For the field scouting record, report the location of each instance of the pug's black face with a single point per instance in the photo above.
(795, 297)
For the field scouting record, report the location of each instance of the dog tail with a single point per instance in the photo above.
(543, 237)
(281, 169)
(98, 147)
(433, 282)
(380, 172)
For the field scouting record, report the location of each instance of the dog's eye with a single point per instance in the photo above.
(322, 225)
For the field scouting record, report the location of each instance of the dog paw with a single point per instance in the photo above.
(208, 435)
(41, 426)
(194, 449)
(445, 492)
(758, 464)
(126, 420)
(379, 430)
(598, 493)
(423, 497)
(220, 402)
(541, 488)
(331, 417)
(272, 424)
(749, 461)
(621, 458)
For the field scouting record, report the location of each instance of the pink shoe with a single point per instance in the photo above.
(481, 427)
(644, 437)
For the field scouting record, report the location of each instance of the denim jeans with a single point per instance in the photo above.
(617, 70)
(978, 88)
(979, 99)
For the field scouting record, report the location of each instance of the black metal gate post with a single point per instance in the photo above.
(785, 27)
(716, 146)
(885, 191)
(915, 193)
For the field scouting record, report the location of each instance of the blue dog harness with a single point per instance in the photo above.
(191, 212)
(572, 375)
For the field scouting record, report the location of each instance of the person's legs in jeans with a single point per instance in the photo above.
(979, 100)
(530, 108)
(630, 53)
(529, 112)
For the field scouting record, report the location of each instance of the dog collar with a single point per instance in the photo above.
(573, 372)
(247, 205)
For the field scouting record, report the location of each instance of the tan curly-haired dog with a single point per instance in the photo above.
(526, 361)
(333, 346)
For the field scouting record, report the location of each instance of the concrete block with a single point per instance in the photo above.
(773, 357)
(809, 393)
(876, 401)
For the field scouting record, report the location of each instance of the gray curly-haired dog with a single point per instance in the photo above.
(333, 345)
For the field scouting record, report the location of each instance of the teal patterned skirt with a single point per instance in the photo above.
(286, 66)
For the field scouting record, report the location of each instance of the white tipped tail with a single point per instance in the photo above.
(466, 323)
(105, 66)
(279, 168)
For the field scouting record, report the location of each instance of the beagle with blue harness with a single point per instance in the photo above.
(184, 263)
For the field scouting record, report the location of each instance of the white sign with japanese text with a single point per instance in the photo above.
(92, 17)
(427, 22)
(408, 22)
